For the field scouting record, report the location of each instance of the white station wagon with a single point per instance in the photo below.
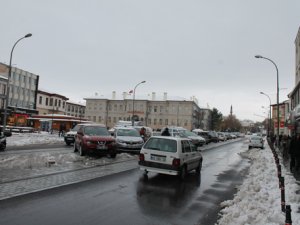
(170, 155)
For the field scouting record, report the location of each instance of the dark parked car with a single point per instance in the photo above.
(203, 134)
(95, 138)
(213, 136)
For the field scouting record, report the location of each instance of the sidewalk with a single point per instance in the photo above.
(13, 188)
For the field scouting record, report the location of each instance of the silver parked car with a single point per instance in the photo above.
(128, 139)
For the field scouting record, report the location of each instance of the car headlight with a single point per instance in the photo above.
(120, 141)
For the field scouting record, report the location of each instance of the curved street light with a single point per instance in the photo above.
(270, 111)
(8, 80)
(133, 98)
(278, 122)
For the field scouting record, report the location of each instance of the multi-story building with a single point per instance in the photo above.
(295, 93)
(75, 109)
(22, 97)
(3, 83)
(153, 113)
(51, 103)
(205, 119)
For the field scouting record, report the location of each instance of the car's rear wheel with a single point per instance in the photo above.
(113, 155)
(183, 173)
(81, 150)
(198, 169)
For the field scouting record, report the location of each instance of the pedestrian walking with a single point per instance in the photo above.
(284, 144)
(166, 132)
(297, 155)
(292, 152)
(143, 133)
(61, 130)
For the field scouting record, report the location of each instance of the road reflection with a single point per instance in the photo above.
(166, 195)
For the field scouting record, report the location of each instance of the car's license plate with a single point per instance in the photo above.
(101, 147)
(69, 138)
(158, 158)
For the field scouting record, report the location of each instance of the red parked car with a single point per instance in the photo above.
(95, 138)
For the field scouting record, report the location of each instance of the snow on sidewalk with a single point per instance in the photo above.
(258, 200)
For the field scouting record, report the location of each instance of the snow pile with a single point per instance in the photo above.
(258, 200)
(20, 139)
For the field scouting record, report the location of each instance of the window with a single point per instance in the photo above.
(149, 121)
(160, 121)
(41, 100)
(185, 146)
(155, 108)
(51, 101)
(59, 103)
(155, 121)
(100, 118)
(47, 101)
(55, 104)
(166, 122)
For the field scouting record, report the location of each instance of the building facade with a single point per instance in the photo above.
(205, 119)
(75, 109)
(294, 95)
(22, 99)
(3, 83)
(50, 103)
(153, 113)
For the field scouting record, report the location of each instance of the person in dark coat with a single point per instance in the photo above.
(293, 151)
(297, 154)
(166, 132)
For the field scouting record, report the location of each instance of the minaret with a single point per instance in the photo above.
(231, 110)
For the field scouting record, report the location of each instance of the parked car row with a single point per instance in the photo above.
(213, 136)
(88, 137)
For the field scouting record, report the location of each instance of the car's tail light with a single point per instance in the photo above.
(142, 157)
(176, 162)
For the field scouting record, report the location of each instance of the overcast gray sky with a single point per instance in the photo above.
(185, 48)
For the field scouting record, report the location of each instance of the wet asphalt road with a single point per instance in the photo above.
(126, 198)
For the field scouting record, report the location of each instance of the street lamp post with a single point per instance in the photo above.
(270, 111)
(133, 98)
(8, 80)
(278, 122)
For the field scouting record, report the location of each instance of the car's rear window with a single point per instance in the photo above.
(165, 145)
(96, 131)
(256, 138)
(128, 132)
